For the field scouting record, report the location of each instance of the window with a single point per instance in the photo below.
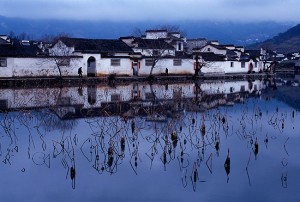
(149, 96)
(243, 65)
(242, 88)
(155, 52)
(3, 62)
(64, 101)
(177, 62)
(179, 46)
(115, 97)
(255, 64)
(231, 64)
(3, 104)
(115, 62)
(208, 49)
(148, 62)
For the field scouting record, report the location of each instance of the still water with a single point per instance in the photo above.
(206, 141)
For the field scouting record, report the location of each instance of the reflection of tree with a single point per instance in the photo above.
(49, 121)
(189, 139)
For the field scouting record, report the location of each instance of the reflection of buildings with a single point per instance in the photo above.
(132, 99)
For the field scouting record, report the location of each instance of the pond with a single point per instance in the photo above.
(203, 141)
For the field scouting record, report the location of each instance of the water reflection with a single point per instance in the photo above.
(189, 130)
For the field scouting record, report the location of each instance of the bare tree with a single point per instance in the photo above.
(59, 53)
(156, 48)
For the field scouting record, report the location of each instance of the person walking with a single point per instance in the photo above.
(80, 72)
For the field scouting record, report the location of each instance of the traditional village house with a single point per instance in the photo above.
(195, 44)
(26, 59)
(162, 52)
(99, 56)
(235, 60)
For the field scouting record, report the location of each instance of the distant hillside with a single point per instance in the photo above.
(287, 42)
(238, 33)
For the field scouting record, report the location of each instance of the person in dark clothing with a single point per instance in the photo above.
(80, 72)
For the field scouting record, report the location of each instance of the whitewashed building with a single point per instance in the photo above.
(26, 59)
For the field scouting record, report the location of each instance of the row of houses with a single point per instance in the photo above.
(155, 53)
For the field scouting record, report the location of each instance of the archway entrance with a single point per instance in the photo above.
(250, 68)
(91, 66)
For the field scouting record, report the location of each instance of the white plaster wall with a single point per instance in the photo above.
(42, 67)
(8, 70)
(60, 49)
(213, 50)
(105, 67)
(222, 67)
(213, 68)
(149, 52)
(187, 67)
(156, 35)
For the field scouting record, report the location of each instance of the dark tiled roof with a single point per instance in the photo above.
(97, 45)
(153, 44)
(231, 55)
(217, 47)
(19, 50)
(253, 53)
(244, 57)
(209, 56)
(2, 41)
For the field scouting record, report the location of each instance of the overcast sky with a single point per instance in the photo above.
(155, 10)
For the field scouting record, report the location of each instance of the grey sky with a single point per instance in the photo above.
(156, 10)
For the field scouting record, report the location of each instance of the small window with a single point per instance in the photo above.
(149, 96)
(64, 101)
(255, 64)
(231, 89)
(115, 62)
(208, 49)
(155, 52)
(179, 46)
(242, 88)
(231, 64)
(3, 104)
(243, 65)
(148, 62)
(115, 97)
(177, 62)
(3, 62)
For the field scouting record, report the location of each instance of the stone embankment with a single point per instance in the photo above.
(115, 80)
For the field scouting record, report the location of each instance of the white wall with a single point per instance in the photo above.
(105, 68)
(213, 50)
(187, 67)
(156, 35)
(222, 67)
(37, 67)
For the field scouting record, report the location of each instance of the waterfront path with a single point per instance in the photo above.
(71, 81)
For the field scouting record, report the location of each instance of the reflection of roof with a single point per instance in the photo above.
(19, 50)
(97, 45)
